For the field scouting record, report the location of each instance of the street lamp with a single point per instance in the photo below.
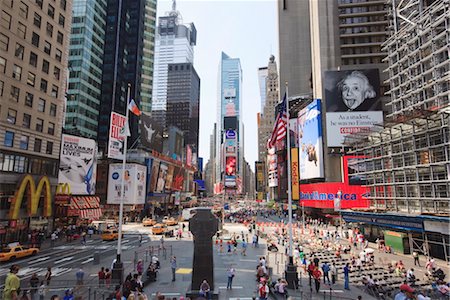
(337, 206)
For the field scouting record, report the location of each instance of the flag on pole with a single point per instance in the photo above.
(279, 128)
(125, 130)
(134, 108)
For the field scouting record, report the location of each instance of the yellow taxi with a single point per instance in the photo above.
(170, 221)
(148, 222)
(14, 251)
(110, 235)
(159, 229)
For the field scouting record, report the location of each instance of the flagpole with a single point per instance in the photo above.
(291, 269)
(119, 265)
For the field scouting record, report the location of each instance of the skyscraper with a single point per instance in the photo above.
(85, 78)
(262, 77)
(229, 112)
(174, 43)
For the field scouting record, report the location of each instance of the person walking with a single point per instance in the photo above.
(205, 289)
(326, 270)
(263, 290)
(101, 276)
(416, 258)
(48, 275)
(42, 291)
(334, 273)
(140, 267)
(173, 265)
(311, 268)
(346, 274)
(317, 275)
(34, 284)
(80, 276)
(12, 284)
(53, 238)
(230, 274)
(244, 248)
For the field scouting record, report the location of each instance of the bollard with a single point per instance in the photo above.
(89, 293)
(95, 295)
(331, 292)
(324, 295)
(171, 250)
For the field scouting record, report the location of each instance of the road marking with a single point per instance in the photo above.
(89, 241)
(26, 271)
(334, 291)
(184, 271)
(38, 260)
(125, 241)
(56, 271)
(64, 259)
(168, 294)
(234, 287)
(251, 260)
(240, 298)
(87, 260)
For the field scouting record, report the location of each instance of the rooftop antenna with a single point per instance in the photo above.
(174, 5)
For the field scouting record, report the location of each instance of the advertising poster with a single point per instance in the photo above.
(151, 133)
(230, 102)
(134, 189)
(353, 103)
(161, 183)
(272, 168)
(155, 173)
(188, 155)
(260, 186)
(294, 174)
(117, 135)
(178, 178)
(310, 141)
(230, 165)
(169, 177)
(78, 164)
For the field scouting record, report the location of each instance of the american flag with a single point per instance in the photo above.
(279, 128)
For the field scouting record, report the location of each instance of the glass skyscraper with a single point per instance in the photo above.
(85, 67)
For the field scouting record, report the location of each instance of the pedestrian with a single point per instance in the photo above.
(311, 268)
(48, 275)
(101, 276)
(140, 267)
(108, 276)
(53, 238)
(326, 270)
(12, 284)
(416, 258)
(316, 261)
(317, 275)
(83, 240)
(244, 248)
(34, 284)
(80, 276)
(230, 274)
(346, 274)
(68, 295)
(334, 273)
(173, 265)
(161, 241)
(263, 290)
(140, 240)
(42, 291)
(205, 290)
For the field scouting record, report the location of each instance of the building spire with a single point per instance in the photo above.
(174, 5)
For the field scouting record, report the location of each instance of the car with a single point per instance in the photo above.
(170, 221)
(110, 235)
(14, 251)
(148, 222)
(159, 229)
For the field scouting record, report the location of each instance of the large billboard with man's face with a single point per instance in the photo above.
(151, 133)
(353, 103)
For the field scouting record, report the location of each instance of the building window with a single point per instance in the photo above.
(39, 3)
(54, 91)
(29, 100)
(12, 116)
(21, 30)
(37, 145)
(35, 39)
(2, 85)
(47, 47)
(49, 149)
(63, 4)
(19, 51)
(15, 93)
(53, 109)
(4, 42)
(56, 72)
(49, 29)
(23, 10)
(2, 65)
(6, 20)
(51, 128)
(45, 66)
(33, 59)
(31, 80)
(41, 105)
(51, 11)
(17, 72)
(9, 139)
(37, 20)
(58, 55)
(44, 85)
(39, 125)
(60, 37)
(24, 142)
(61, 20)
(26, 123)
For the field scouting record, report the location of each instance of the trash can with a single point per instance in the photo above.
(96, 258)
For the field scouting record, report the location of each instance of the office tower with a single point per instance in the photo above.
(294, 46)
(34, 42)
(267, 119)
(85, 75)
(126, 38)
(229, 115)
(262, 77)
(183, 101)
(174, 44)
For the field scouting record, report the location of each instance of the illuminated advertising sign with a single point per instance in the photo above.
(272, 167)
(117, 135)
(230, 165)
(353, 103)
(230, 135)
(135, 178)
(294, 174)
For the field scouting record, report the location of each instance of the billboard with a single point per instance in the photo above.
(154, 178)
(188, 155)
(117, 135)
(178, 178)
(161, 181)
(353, 103)
(309, 123)
(260, 182)
(78, 164)
(135, 177)
(272, 168)
(230, 165)
(169, 177)
(151, 133)
(294, 174)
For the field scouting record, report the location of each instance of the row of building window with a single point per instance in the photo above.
(24, 142)
(26, 122)
(25, 164)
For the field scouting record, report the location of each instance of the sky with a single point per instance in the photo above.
(242, 29)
